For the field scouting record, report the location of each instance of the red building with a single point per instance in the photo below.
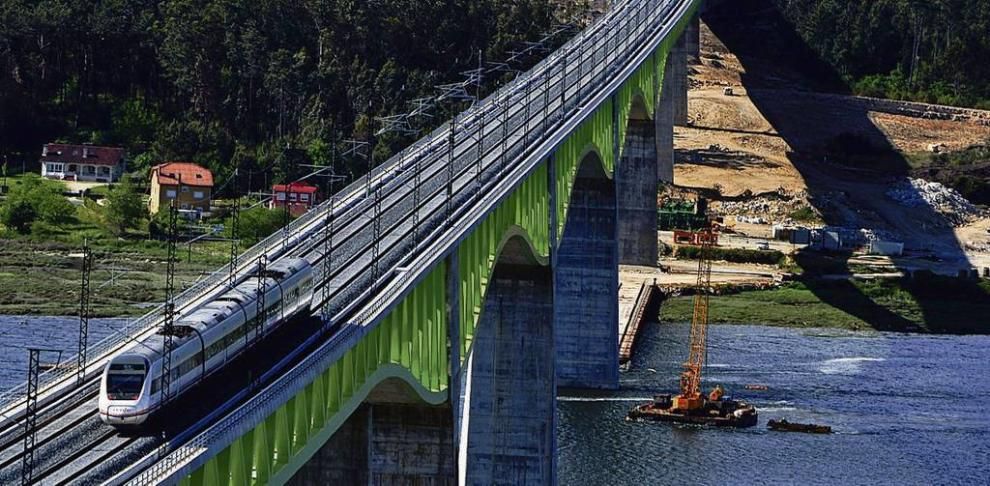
(299, 196)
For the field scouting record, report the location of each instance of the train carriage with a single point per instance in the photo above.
(204, 341)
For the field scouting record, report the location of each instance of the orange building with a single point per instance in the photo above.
(189, 184)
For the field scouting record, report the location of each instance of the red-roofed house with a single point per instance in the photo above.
(187, 183)
(82, 162)
(298, 196)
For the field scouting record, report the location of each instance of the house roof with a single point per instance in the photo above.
(81, 154)
(297, 187)
(191, 174)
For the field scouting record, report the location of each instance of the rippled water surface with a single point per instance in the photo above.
(906, 409)
(18, 333)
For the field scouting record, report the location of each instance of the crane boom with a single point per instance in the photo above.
(690, 397)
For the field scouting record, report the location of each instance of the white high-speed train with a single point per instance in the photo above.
(204, 340)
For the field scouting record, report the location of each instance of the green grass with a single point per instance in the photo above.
(941, 305)
(805, 214)
(42, 278)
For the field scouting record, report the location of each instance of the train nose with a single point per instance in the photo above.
(123, 415)
(119, 411)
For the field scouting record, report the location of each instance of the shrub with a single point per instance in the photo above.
(257, 223)
(44, 198)
(18, 215)
(126, 207)
(735, 255)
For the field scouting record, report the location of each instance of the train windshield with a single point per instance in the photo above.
(124, 382)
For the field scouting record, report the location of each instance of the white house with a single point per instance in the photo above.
(82, 162)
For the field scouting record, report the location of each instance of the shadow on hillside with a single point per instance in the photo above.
(841, 154)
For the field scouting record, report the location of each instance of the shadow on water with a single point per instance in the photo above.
(842, 154)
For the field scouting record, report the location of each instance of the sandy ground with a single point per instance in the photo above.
(731, 144)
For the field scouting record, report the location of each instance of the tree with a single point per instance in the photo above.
(257, 223)
(44, 197)
(125, 207)
(18, 215)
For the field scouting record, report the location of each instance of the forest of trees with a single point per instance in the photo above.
(232, 83)
(936, 51)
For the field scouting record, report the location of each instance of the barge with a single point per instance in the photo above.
(723, 412)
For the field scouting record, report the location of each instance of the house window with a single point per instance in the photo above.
(292, 196)
(55, 167)
(105, 170)
(280, 196)
(304, 197)
(89, 170)
(170, 193)
(185, 188)
(198, 194)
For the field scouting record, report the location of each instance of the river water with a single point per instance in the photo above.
(905, 409)
(59, 333)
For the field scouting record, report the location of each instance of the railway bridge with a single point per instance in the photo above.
(460, 284)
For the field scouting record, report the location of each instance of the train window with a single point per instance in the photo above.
(127, 367)
(124, 386)
(156, 385)
(213, 349)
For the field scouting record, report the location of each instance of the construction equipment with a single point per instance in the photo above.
(690, 397)
(690, 406)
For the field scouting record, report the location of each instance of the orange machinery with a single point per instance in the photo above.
(690, 397)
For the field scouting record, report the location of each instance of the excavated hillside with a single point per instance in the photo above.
(779, 141)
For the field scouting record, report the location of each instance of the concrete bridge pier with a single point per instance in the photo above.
(692, 40)
(507, 427)
(672, 102)
(678, 63)
(636, 190)
(586, 283)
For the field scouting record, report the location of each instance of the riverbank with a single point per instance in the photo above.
(43, 278)
(935, 305)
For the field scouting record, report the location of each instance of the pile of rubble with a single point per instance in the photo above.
(764, 209)
(919, 193)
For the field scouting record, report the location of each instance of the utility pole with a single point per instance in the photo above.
(260, 315)
(31, 412)
(87, 267)
(377, 225)
(327, 260)
(451, 145)
(235, 218)
(168, 330)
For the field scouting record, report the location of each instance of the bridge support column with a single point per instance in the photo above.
(386, 443)
(692, 40)
(508, 427)
(636, 192)
(664, 121)
(586, 284)
(678, 76)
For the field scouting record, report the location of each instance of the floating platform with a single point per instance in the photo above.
(720, 413)
(783, 425)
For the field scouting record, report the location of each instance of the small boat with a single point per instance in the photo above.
(783, 425)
